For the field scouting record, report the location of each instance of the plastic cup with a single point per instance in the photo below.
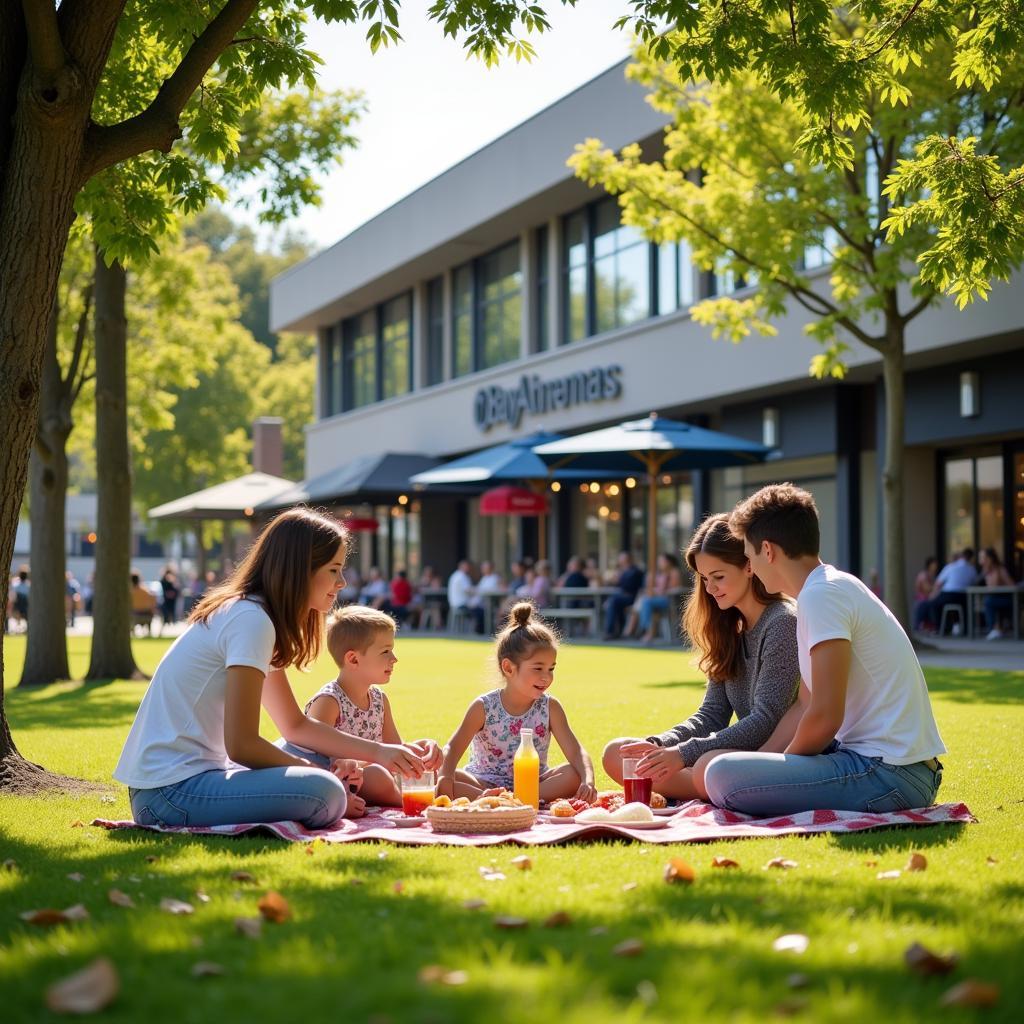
(635, 789)
(417, 794)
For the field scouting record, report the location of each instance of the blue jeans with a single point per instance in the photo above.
(312, 796)
(310, 755)
(648, 606)
(843, 780)
(996, 606)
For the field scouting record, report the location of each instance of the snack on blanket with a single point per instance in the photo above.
(497, 812)
(610, 800)
(658, 801)
(441, 801)
(593, 814)
(635, 812)
(562, 809)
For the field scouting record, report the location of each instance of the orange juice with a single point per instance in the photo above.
(416, 801)
(526, 770)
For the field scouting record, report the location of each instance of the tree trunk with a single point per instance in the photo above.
(894, 572)
(38, 184)
(111, 656)
(46, 657)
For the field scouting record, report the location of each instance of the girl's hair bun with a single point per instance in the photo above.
(521, 614)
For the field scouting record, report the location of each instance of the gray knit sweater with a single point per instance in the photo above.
(764, 692)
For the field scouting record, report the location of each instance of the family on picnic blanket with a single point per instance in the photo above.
(830, 702)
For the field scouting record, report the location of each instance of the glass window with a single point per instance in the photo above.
(989, 485)
(435, 331)
(360, 360)
(332, 389)
(500, 307)
(462, 320)
(1016, 559)
(396, 347)
(959, 488)
(598, 523)
(622, 271)
(575, 236)
(543, 290)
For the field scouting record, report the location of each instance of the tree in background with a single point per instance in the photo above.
(837, 62)
(738, 186)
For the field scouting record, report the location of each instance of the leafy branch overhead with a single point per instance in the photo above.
(840, 64)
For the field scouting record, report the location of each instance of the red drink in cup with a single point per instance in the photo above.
(636, 789)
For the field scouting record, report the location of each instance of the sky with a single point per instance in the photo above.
(429, 107)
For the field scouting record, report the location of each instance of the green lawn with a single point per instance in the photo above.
(355, 945)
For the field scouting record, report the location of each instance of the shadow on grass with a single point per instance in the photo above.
(366, 943)
(86, 704)
(976, 686)
(680, 684)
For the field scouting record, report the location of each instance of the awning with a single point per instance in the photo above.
(233, 499)
(512, 501)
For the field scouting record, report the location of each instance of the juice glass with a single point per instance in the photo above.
(636, 789)
(417, 794)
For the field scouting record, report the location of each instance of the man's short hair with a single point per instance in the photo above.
(780, 514)
(967, 554)
(354, 628)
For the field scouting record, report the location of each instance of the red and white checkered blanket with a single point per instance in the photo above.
(695, 822)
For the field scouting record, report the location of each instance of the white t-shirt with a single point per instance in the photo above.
(958, 575)
(888, 713)
(460, 589)
(179, 729)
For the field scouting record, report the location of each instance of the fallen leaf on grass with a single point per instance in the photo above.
(356, 881)
(895, 873)
(630, 886)
(646, 992)
(120, 899)
(793, 943)
(274, 908)
(629, 947)
(599, 929)
(206, 969)
(76, 876)
(724, 862)
(509, 923)
(201, 896)
(871, 863)
(10, 864)
(250, 927)
(781, 863)
(522, 862)
(179, 907)
(151, 858)
(923, 961)
(474, 904)
(677, 870)
(790, 1007)
(243, 878)
(971, 992)
(86, 991)
(47, 917)
(559, 919)
(397, 887)
(797, 980)
(917, 862)
(490, 874)
(77, 823)
(990, 861)
(435, 974)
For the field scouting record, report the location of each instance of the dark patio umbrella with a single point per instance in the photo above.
(660, 446)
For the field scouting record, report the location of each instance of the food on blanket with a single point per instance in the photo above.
(610, 800)
(593, 814)
(460, 801)
(441, 801)
(658, 801)
(578, 804)
(632, 812)
(562, 809)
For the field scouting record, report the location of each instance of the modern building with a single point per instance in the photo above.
(505, 295)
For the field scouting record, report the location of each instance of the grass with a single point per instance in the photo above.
(356, 949)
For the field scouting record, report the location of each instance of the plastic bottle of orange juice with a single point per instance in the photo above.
(526, 770)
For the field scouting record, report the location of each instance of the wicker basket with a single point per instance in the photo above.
(502, 819)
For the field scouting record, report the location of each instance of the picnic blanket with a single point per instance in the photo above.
(695, 822)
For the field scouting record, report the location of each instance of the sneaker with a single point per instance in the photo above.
(995, 634)
(955, 629)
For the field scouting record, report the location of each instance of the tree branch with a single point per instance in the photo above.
(894, 33)
(44, 43)
(918, 307)
(157, 126)
(72, 378)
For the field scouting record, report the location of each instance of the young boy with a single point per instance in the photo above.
(868, 740)
(361, 640)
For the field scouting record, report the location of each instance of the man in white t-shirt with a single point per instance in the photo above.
(462, 594)
(868, 740)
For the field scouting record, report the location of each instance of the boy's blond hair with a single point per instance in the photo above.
(354, 628)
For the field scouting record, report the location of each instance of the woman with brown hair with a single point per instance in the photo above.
(746, 639)
(194, 755)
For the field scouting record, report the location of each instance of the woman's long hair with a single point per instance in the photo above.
(278, 569)
(714, 632)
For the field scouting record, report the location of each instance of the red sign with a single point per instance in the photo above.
(361, 525)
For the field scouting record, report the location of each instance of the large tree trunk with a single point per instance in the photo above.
(894, 573)
(46, 658)
(111, 656)
(39, 160)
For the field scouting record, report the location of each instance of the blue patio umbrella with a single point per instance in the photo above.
(512, 460)
(658, 446)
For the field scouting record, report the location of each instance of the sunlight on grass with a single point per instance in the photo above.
(356, 942)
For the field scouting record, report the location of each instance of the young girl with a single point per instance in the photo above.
(526, 649)
(194, 755)
(361, 641)
(747, 641)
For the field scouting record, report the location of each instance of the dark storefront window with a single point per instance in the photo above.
(435, 331)
(974, 504)
(462, 321)
(360, 360)
(396, 347)
(375, 356)
(543, 290)
(577, 316)
(487, 314)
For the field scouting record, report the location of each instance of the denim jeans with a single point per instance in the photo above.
(842, 780)
(312, 796)
(310, 755)
(648, 606)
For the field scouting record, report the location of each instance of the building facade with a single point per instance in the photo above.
(505, 296)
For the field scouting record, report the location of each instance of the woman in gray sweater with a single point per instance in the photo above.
(746, 639)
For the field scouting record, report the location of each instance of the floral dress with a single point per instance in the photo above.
(367, 724)
(495, 745)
